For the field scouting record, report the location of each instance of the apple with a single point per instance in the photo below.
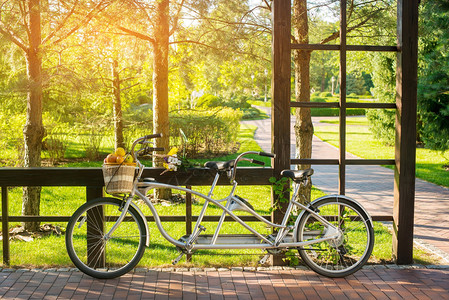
(119, 159)
(120, 151)
(111, 158)
(128, 159)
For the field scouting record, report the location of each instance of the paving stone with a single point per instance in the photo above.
(23, 270)
(64, 270)
(222, 269)
(182, 269)
(141, 270)
(8, 270)
(196, 270)
(210, 269)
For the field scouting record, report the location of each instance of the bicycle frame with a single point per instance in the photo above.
(254, 241)
(263, 241)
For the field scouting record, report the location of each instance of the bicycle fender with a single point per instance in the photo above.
(147, 229)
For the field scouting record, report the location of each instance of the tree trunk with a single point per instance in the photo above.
(303, 125)
(117, 106)
(33, 131)
(160, 83)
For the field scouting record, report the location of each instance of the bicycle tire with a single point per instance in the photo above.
(342, 257)
(107, 258)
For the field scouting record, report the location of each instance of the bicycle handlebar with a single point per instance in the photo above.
(255, 161)
(267, 154)
(142, 140)
(150, 136)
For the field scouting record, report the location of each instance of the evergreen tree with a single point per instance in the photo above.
(433, 83)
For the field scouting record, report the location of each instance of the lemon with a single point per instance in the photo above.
(120, 151)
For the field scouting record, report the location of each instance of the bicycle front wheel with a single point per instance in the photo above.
(97, 255)
(342, 256)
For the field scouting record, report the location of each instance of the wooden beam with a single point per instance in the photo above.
(342, 115)
(405, 145)
(281, 92)
(5, 229)
(330, 47)
(94, 176)
(366, 105)
(281, 87)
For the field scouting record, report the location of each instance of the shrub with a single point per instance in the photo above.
(317, 99)
(325, 94)
(208, 101)
(253, 113)
(208, 131)
(382, 121)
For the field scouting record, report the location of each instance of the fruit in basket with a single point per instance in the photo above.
(120, 159)
(129, 159)
(111, 159)
(120, 152)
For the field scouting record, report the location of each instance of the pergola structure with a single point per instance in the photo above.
(405, 106)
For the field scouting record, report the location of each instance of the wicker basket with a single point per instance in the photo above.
(118, 178)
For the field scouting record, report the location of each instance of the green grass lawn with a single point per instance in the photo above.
(361, 142)
(50, 251)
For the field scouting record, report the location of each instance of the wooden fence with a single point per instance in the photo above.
(92, 179)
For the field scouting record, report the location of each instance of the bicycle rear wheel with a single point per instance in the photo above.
(338, 257)
(97, 256)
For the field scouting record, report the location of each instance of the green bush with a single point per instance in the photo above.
(317, 99)
(325, 94)
(208, 101)
(208, 131)
(253, 113)
(353, 96)
(382, 121)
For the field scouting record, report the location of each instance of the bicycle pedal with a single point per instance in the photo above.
(264, 259)
(176, 260)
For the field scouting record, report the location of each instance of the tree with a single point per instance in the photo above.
(21, 23)
(157, 31)
(433, 83)
(382, 121)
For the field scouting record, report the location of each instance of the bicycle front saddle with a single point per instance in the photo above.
(220, 165)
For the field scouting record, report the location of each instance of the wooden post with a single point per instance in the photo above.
(281, 90)
(5, 229)
(95, 219)
(405, 145)
(189, 218)
(342, 114)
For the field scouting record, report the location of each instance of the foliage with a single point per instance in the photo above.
(280, 187)
(325, 94)
(433, 87)
(210, 131)
(382, 121)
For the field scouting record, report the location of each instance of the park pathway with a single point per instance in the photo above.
(372, 186)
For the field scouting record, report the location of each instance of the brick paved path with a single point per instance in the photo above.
(372, 186)
(274, 284)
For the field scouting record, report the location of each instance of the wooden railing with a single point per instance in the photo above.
(92, 179)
